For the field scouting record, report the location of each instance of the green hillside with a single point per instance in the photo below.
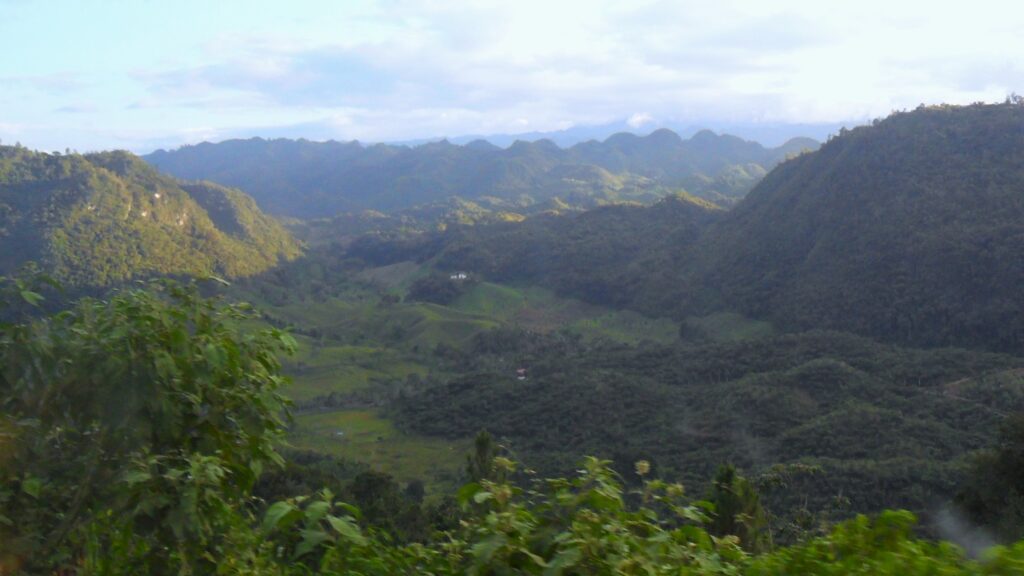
(910, 230)
(601, 256)
(98, 219)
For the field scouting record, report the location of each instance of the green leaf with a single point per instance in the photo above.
(136, 476)
(352, 510)
(310, 540)
(31, 297)
(347, 530)
(466, 493)
(485, 550)
(32, 486)
(566, 558)
(316, 511)
(280, 515)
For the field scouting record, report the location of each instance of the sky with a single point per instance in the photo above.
(144, 74)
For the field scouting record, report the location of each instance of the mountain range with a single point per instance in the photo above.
(769, 134)
(321, 179)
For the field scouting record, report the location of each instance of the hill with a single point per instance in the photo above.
(98, 219)
(312, 179)
(600, 255)
(910, 230)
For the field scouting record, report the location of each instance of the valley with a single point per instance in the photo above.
(845, 337)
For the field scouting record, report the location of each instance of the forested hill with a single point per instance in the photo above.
(600, 255)
(97, 219)
(315, 179)
(910, 230)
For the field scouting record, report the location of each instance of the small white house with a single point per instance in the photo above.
(460, 276)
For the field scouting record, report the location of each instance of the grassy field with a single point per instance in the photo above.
(412, 326)
(364, 436)
(318, 369)
(727, 327)
(542, 310)
(395, 277)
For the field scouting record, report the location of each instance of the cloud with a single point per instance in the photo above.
(63, 82)
(320, 77)
(639, 119)
(552, 64)
(404, 69)
(80, 109)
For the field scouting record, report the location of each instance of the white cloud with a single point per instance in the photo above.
(639, 119)
(397, 69)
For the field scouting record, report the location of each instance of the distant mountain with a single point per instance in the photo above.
(769, 134)
(98, 219)
(310, 179)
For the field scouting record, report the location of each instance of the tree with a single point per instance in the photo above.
(133, 431)
(993, 493)
(480, 463)
(738, 510)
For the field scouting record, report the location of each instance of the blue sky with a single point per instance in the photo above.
(144, 74)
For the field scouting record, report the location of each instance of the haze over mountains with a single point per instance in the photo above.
(768, 134)
(309, 179)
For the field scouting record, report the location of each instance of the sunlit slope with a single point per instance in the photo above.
(98, 219)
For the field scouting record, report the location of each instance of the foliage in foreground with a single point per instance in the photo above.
(584, 526)
(134, 429)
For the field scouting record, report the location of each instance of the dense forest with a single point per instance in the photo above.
(885, 426)
(99, 219)
(908, 230)
(310, 180)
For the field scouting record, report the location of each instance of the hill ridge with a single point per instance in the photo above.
(307, 179)
(103, 218)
